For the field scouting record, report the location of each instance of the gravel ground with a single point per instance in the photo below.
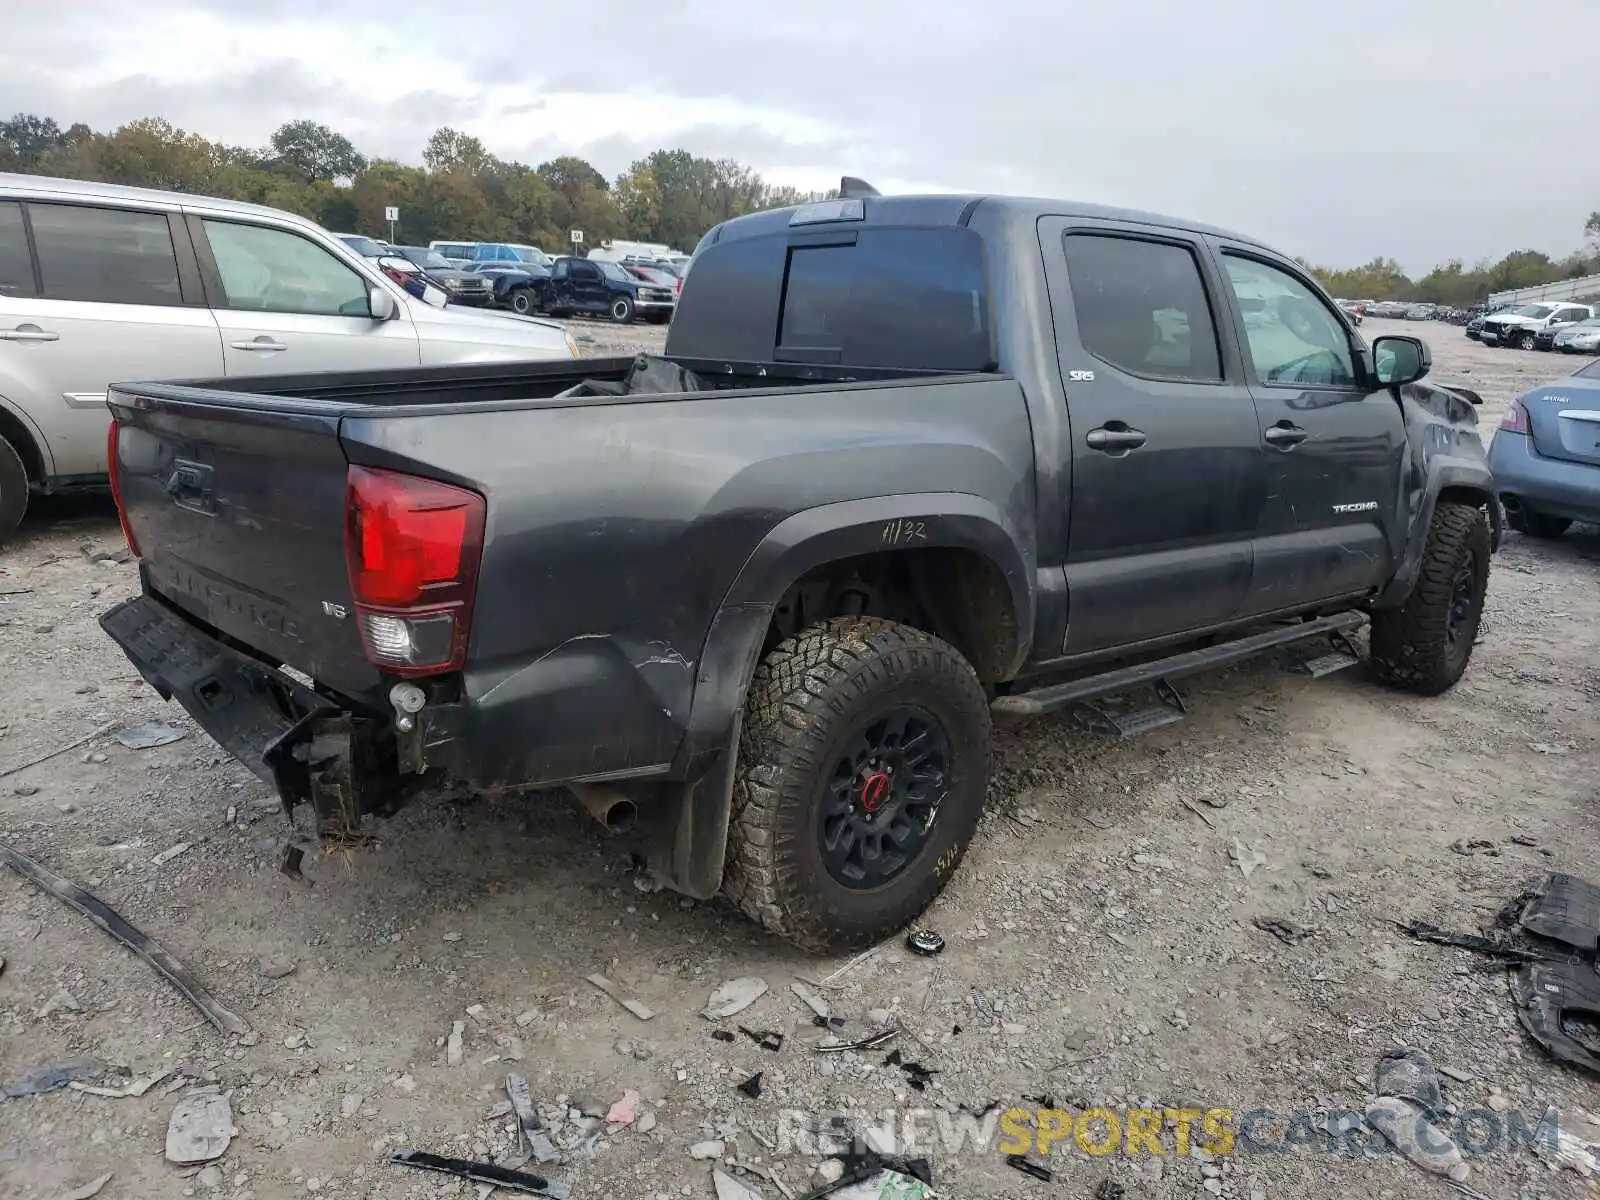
(1101, 937)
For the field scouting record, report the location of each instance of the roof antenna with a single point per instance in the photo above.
(850, 187)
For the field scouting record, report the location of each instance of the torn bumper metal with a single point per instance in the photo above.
(305, 745)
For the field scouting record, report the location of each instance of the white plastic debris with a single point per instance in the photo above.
(149, 735)
(734, 997)
(200, 1129)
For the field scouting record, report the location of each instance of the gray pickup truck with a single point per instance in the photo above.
(908, 464)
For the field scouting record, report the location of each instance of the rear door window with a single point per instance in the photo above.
(16, 264)
(115, 256)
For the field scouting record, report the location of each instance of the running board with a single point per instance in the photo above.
(1114, 720)
(1340, 655)
(1055, 697)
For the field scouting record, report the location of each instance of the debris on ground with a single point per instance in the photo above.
(150, 735)
(1021, 1162)
(454, 1051)
(482, 1172)
(1246, 859)
(534, 1137)
(916, 1074)
(925, 942)
(724, 1035)
(625, 1110)
(734, 997)
(1285, 930)
(751, 1087)
(62, 1001)
(729, 1188)
(169, 854)
(643, 1012)
(1110, 1189)
(57, 1075)
(1409, 1112)
(1563, 1148)
(711, 1148)
(812, 999)
(87, 1190)
(136, 1088)
(145, 947)
(271, 969)
(767, 1039)
(59, 750)
(1471, 846)
(867, 1043)
(200, 1129)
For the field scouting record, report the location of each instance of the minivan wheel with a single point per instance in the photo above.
(522, 301)
(622, 310)
(1525, 342)
(13, 489)
(863, 767)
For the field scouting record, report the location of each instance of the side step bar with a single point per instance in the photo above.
(1057, 696)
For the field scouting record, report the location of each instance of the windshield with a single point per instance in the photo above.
(532, 254)
(1534, 310)
(427, 258)
(364, 246)
(611, 271)
(1591, 323)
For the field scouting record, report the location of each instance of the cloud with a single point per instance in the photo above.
(1422, 130)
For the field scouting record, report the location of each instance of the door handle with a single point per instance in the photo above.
(1114, 438)
(28, 333)
(1285, 436)
(262, 343)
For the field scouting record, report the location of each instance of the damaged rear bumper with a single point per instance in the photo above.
(306, 746)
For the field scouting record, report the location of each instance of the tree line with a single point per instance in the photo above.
(461, 190)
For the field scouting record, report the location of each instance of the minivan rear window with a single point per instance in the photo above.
(116, 256)
(16, 264)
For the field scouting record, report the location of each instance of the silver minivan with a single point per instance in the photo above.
(100, 284)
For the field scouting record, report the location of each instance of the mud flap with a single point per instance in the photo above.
(683, 836)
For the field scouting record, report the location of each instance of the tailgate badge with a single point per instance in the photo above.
(337, 611)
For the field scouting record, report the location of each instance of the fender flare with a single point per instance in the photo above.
(47, 461)
(817, 536)
(1443, 473)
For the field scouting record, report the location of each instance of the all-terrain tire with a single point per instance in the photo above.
(810, 698)
(13, 490)
(1537, 524)
(1424, 645)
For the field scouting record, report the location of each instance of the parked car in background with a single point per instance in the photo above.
(1546, 455)
(656, 275)
(1391, 309)
(459, 254)
(1353, 309)
(1482, 312)
(1580, 338)
(463, 287)
(585, 285)
(1420, 312)
(363, 245)
(1520, 327)
(100, 283)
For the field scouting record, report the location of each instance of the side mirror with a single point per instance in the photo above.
(382, 304)
(1398, 361)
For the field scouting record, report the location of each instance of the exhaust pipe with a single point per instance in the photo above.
(610, 807)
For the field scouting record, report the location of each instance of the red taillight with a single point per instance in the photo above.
(412, 546)
(116, 488)
(1516, 418)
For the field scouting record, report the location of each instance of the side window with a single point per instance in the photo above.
(559, 271)
(16, 264)
(273, 270)
(1294, 340)
(1142, 307)
(816, 297)
(111, 255)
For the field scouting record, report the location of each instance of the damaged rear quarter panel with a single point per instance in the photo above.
(615, 530)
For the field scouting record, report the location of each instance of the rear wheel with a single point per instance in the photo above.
(863, 765)
(622, 310)
(1537, 524)
(13, 489)
(1424, 645)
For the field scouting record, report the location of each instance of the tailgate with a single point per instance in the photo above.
(238, 506)
(1566, 422)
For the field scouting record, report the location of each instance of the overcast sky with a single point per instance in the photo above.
(1417, 129)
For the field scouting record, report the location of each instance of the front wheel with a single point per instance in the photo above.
(1526, 341)
(1424, 645)
(622, 310)
(522, 301)
(13, 490)
(863, 765)
(1537, 524)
